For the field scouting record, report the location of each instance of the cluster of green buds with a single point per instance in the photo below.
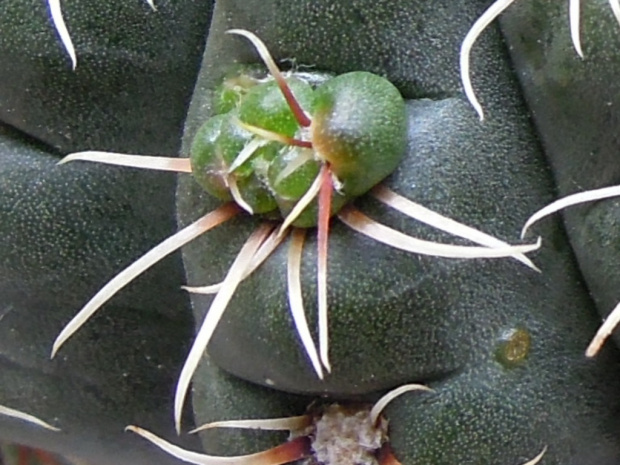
(270, 139)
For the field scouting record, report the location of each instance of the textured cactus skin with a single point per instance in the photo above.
(482, 411)
(468, 170)
(67, 230)
(130, 66)
(574, 104)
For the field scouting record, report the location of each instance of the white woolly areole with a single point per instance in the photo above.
(347, 436)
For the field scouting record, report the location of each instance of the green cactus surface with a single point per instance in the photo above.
(443, 360)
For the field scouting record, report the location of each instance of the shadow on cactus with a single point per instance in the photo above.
(296, 153)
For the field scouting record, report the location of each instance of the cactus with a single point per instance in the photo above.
(489, 337)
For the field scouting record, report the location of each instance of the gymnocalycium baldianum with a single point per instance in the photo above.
(297, 155)
(241, 197)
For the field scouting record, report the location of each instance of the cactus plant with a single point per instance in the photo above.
(489, 337)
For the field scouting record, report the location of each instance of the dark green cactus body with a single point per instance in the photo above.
(67, 229)
(575, 104)
(501, 346)
(491, 337)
